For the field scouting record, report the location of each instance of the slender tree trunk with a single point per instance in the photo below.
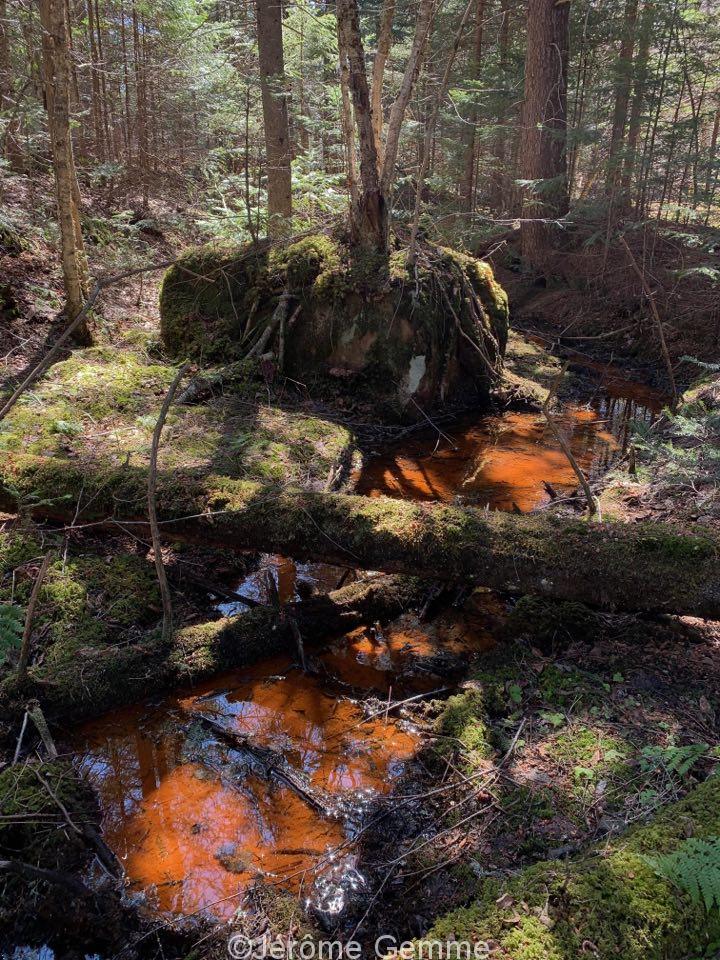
(640, 70)
(95, 82)
(369, 219)
(348, 130)
(430, 130)
(383, 50)
(467, 183)
(141, 106)
(5, 67)
(275, 116)
(623, 83)
(55, 56)
(543, 153)
(500, 173)
(397, 113)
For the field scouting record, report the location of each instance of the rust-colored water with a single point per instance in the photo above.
(505, 461)
(195, 821)
(194, 826)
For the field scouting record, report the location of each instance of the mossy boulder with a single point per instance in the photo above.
(610, 903)
(421, 335)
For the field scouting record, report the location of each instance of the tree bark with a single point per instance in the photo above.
(543, 154)
(397, 112)
(348, 131)
(55, 59)
(384, 42)
(467, 183)
(623, 83)
(644, 567)
(369, 219)
(430, 126)
(275, 117)
(640, 69)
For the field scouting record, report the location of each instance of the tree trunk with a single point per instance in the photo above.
(616, 566)
(348, 132)
(467, 183)
(383, 50)
(55, 58)
(369, 219)
(430, 126)
(543, 153)
(397, 113)
(275, 117)
(623, 83)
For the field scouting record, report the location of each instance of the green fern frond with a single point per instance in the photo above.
(11, 628)
(676, 760)
(695, 868)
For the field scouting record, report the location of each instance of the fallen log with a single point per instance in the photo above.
(105, 676)
(616, 566)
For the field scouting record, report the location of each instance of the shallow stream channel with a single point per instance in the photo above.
(270, 772)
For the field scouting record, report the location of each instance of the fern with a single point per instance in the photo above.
(11, 628)
(694, 867)
(676, 760)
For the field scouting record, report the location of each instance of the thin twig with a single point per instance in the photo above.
(593, 505)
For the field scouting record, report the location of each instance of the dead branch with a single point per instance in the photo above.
(593, 506)
(27, 631)
(658, 322)
(152, 510)
(271, 762)
(28, 872)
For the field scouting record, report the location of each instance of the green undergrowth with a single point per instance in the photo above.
(94, 609)
(578, 742)
(103, 404)
(610, 901)
(676, 460)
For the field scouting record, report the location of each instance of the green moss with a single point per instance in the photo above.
(529, 370)
(464, 719)
(359, 312)
(612, 900)
(86, 606)
(104, 405)
(46, 841)
(309, 266)
(548, 622)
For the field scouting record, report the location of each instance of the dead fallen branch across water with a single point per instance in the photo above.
(271, 763)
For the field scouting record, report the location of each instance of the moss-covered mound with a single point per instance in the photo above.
(609, 904)
(103, 405)
(434, 332)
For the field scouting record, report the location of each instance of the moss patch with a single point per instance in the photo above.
(104, 405)
(612, 900)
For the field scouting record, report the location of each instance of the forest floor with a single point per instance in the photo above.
(567, 728)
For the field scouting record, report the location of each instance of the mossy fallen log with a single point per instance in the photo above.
(608, 904)
(640, 567)
(78, 681)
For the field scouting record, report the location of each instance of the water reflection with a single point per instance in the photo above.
(507, 462)
(194, 823)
